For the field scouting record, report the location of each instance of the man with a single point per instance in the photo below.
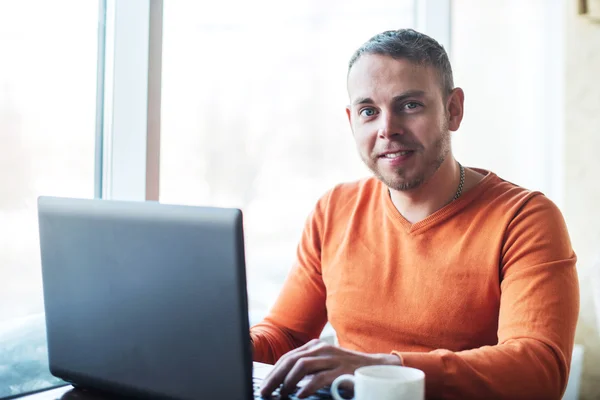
(429, 264)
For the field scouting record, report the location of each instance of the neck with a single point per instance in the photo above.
(417, 204)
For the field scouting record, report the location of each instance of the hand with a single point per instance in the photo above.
(324, 362)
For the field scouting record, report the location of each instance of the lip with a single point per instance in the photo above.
(396, 161)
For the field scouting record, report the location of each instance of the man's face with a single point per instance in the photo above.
(398, 116)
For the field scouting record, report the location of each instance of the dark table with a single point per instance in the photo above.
(70, 393)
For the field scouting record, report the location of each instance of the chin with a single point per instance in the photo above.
(401, 185)
(407, 185)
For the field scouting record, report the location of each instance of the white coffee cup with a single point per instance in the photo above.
(383, 382)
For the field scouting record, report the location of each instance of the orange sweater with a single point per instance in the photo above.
(482, 295)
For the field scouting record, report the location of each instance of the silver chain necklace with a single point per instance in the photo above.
(460, 183)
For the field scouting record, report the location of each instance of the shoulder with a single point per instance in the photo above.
(345, 200)
(530, 218)
(499, 196)
(539, 220)
(345, 197)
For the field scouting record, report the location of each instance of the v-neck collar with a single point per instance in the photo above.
(445, 212)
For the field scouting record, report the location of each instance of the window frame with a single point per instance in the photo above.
(129, 168)
(128, 123)
(434, 18)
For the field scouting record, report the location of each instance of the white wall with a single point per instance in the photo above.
(582, 183)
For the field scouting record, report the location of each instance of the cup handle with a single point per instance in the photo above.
(336, 383)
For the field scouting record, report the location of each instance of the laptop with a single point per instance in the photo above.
(147, 299)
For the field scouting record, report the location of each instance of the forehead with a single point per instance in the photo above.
(379, 77)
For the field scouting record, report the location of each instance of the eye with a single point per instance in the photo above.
(367, 112)
(411, 105)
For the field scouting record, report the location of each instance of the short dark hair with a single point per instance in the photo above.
(413, 46)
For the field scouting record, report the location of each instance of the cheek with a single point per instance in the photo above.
(426, 130)
(365, 139)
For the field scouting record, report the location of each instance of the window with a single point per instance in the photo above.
(512, 83)
(47, 135)
(253, 116)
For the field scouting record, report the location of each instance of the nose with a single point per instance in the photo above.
(389, 126)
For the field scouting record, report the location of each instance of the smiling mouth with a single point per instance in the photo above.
(397, 154)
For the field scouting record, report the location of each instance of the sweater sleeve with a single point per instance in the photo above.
(299, 313)
(539, 307)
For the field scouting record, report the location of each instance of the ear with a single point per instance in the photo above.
(455, 108)
(349, 114)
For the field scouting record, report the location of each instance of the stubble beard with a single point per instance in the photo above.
(440, 151)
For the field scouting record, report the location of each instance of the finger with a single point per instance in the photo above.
(303, 367)
(277, 375)
(290, 353)
(279, 370)
(286, 363)
(319, 381)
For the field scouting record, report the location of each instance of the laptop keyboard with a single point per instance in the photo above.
(321, 394)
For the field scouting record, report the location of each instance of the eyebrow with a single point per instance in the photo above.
(396, 99)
